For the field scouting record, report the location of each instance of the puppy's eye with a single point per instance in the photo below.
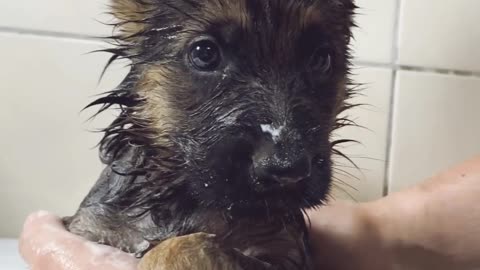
(205, 55)
(321, 61)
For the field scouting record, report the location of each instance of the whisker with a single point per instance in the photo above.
(346, 173)
(344, 192)
(341, 154)
(342, 182)
(358, 168)
(366, 158)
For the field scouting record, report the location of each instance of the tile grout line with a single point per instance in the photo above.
(393, 90)
(441, 71)
(47, 34)
(390, 128)
(420, 69)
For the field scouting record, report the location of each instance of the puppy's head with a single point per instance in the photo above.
(243, 94)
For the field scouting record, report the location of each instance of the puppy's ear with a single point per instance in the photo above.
(131, 15)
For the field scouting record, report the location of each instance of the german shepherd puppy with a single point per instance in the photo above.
(225, 125)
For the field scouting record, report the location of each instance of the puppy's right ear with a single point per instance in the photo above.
(131, 15)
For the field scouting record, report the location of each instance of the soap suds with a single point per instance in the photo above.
(229, 118)
(38, 215)
(60, 253)
(273, 131)
(41, 213)
(106, 256)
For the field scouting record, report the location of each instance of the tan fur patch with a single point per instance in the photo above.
(129, 13)
(157, 108)
(234, 11)
(313, 16)
(341, 94)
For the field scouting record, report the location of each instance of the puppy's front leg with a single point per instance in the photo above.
(201, 252)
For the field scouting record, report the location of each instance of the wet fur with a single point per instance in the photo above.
(178, 130)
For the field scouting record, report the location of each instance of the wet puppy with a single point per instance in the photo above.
(225, 125)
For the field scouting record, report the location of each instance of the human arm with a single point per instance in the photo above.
(433, 225)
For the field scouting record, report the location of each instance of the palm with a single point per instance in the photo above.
(45, 244)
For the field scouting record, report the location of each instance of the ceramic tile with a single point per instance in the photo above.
(435, 125)
(374, 37)
(440, 34)
(370, 154)
(48, 159)
(66, 16)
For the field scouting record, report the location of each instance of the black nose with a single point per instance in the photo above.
(282, 169)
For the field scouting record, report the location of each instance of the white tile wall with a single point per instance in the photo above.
(47, 159)
(373, 39)
(46, 77)
(60, 16)
(436, 125)
(370, 155)
(440, 34)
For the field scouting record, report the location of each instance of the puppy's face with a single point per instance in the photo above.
(245, 92)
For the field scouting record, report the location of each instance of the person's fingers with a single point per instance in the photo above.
(45, 244)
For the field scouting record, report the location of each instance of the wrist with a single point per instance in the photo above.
(401, 231)
(378, 227)
(345, 230)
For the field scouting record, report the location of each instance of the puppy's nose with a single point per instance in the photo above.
(281, 169)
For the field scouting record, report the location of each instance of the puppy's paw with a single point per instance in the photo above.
(198, 251)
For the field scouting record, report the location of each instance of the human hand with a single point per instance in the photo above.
(45, 244)
(345, 236)
(338, 232)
